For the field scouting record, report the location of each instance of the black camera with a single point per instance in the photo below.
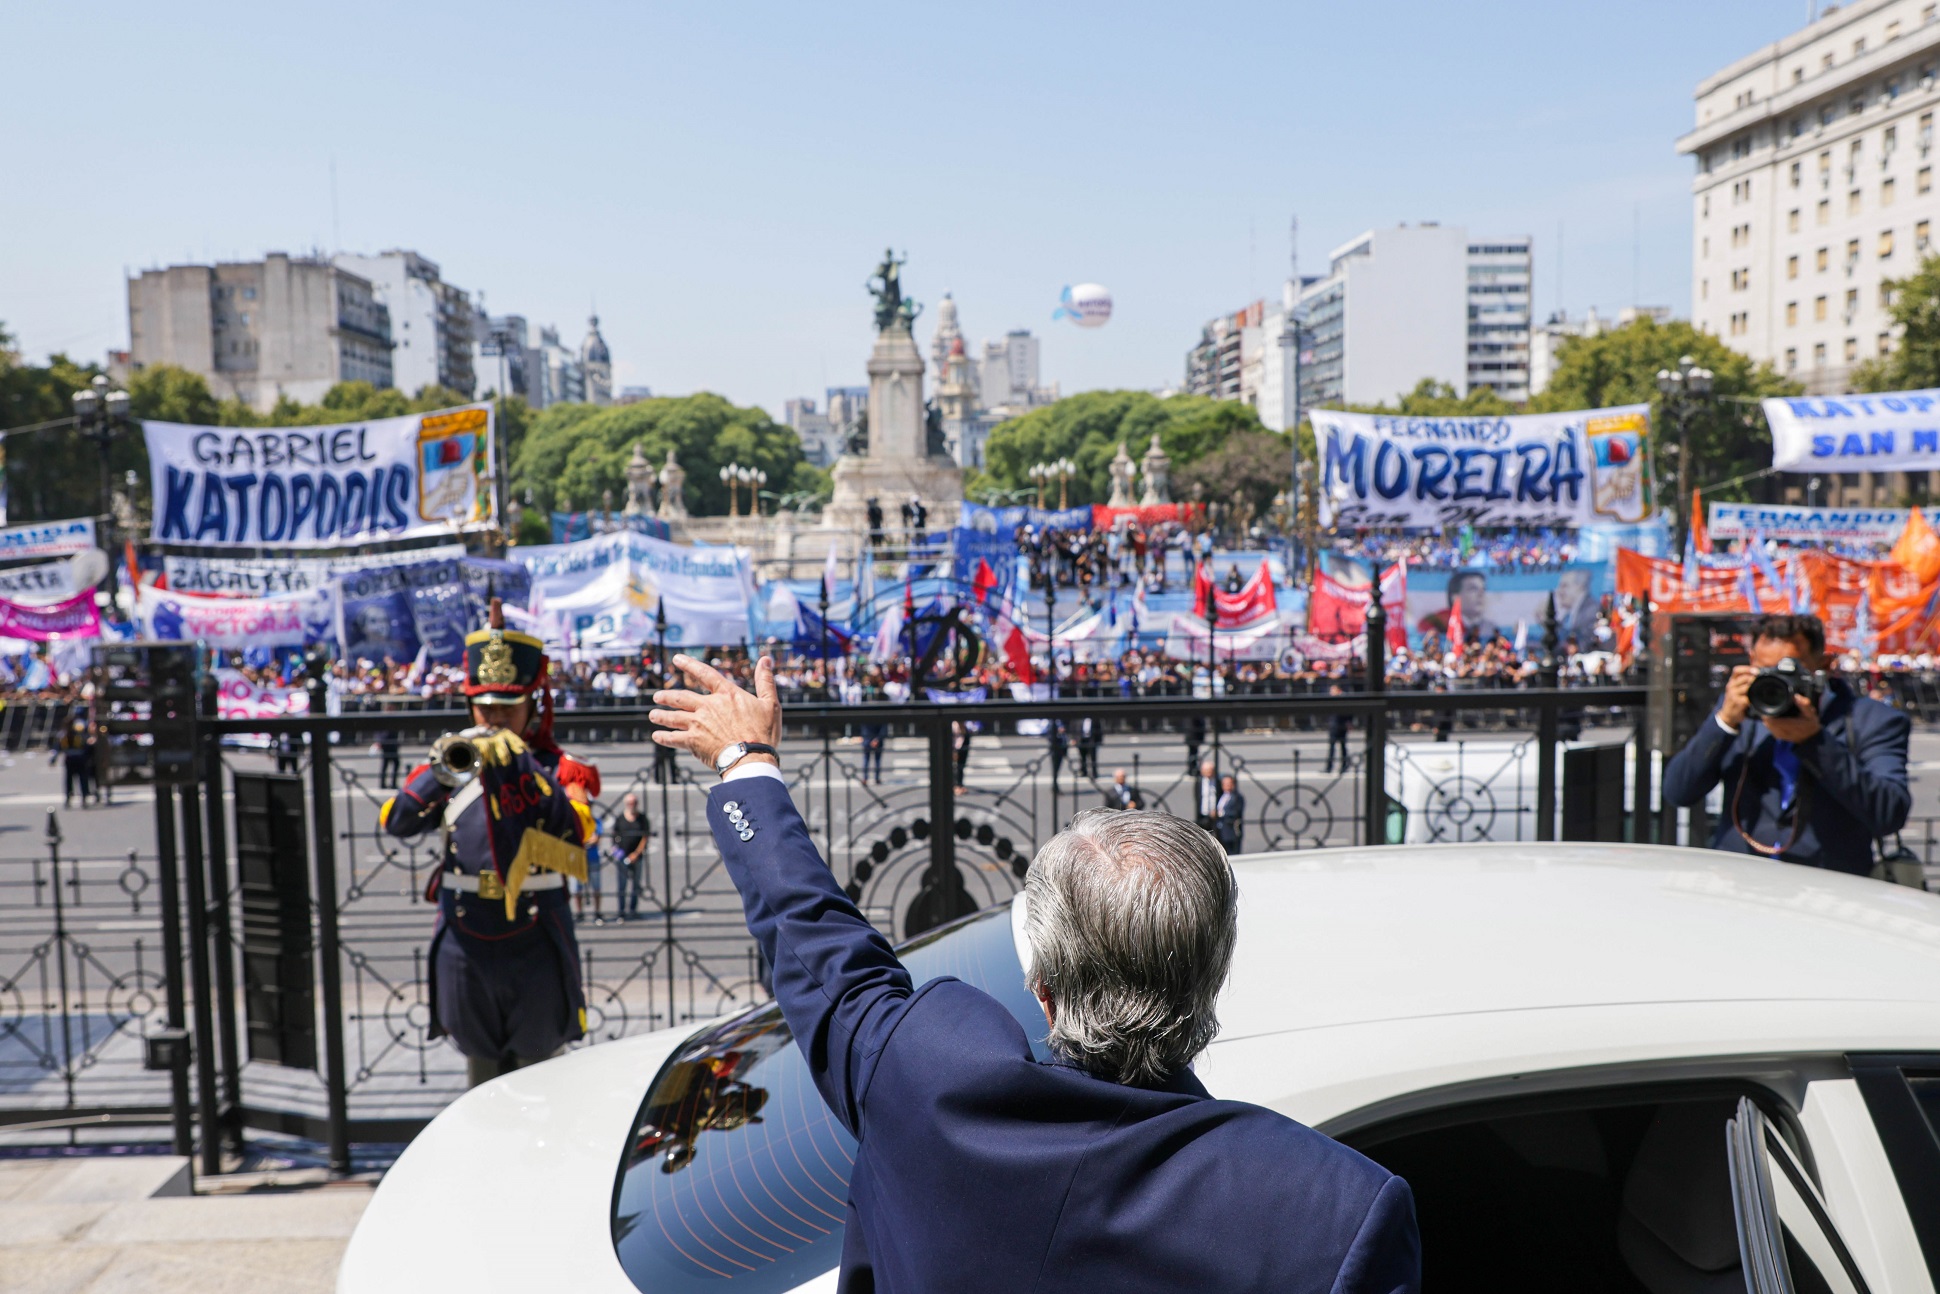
(1776, 692)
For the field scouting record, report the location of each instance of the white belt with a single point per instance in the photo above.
(468, 884)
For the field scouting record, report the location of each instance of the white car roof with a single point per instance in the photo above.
(1362, 975)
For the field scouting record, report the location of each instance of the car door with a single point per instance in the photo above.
(1787, 1243)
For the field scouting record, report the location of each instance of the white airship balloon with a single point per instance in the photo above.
(1088, 305)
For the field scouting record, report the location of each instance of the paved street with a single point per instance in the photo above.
(126, 1225)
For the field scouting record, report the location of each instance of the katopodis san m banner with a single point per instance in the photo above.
(1544, 469)
(322, 487)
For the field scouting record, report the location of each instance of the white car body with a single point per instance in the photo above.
(1368, 984)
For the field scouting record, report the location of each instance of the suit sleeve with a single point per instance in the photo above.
(416, 808)
(1694, 770)
(1385, 1257)
(841, 988)
(1866, 776)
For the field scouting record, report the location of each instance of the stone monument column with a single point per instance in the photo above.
(898, 461)
(895, 397)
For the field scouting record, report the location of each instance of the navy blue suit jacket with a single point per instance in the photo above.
(1852, 782)
(980, 1168)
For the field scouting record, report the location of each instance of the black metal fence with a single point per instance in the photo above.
(924, 811)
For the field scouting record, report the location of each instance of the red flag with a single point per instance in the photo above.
(983, 581)
(1457, 638)
(134, 569)
(1017, 655)
(1255, 601)
(1202, 589)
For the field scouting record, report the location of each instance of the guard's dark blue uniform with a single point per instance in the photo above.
(979, 1168)
(502, 986)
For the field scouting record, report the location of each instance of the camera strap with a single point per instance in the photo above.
(1799, 800)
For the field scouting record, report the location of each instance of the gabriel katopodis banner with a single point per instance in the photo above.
(322, 487)
(1544, 469)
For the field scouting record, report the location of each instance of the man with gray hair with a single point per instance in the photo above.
(978, 1167)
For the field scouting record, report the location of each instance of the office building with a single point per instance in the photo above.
(1007, 378)
(1499, 275)
(1250, 356)
(531, 362)
(258, 331)
(824, 433)
(1413, 302)
(1546, 339)
(431, 320)
(1814, 187)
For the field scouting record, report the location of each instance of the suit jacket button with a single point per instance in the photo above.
(747, 833)
(732, 807)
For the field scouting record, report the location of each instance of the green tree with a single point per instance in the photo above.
(167, 393)
(1728, 434)
(1250, 466)
(580, 451)
(1088, 428)
(1914, 364)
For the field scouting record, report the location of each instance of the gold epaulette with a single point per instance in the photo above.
(539, 849)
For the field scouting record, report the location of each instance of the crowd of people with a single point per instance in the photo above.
(1500, 550)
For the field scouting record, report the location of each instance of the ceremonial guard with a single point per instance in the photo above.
(513, 807)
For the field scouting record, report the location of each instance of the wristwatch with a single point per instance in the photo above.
(736, 751)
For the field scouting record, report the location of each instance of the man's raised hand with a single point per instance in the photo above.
(718, 712)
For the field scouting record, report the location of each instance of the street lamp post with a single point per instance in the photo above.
(731, 477)
(100, 410)
(1683, 389)
(1064, 467)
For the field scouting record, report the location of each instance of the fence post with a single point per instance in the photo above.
(1374, 780)
(217, 840)
(194, 871)
(176, 997)
(1546, 676)
(324, 834)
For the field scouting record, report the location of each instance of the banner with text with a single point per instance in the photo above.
(238, 623)
(602, 593)
(47, 582)
(46, 539)
(74, 618)
(1337, 604)
(240, 697)
(1544, 469)
(1891, 432)
(1790, 525)
(322, 487)
(266, 577)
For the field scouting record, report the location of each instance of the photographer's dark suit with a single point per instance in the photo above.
(1852, 785)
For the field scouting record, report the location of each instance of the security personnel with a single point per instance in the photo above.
(504, 963)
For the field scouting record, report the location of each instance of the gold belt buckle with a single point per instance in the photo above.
(490, 886)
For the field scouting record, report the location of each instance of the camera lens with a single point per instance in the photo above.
(1770, 696)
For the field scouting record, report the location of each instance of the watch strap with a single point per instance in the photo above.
(752, 748)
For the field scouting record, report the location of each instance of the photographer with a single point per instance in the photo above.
(1812, 773)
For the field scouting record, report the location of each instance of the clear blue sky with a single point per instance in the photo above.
(722, 177)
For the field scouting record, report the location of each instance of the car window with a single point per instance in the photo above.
(735, 1170)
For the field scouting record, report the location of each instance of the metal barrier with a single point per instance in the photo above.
(919, 829)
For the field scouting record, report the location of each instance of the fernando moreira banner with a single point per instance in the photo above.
(1545, 469)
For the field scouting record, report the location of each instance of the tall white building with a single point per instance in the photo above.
(1007, 377)
(1546, 339)
(1814, 187)
(1391, 310)
(1416, 301)
(431, 321)
(1500, 272)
